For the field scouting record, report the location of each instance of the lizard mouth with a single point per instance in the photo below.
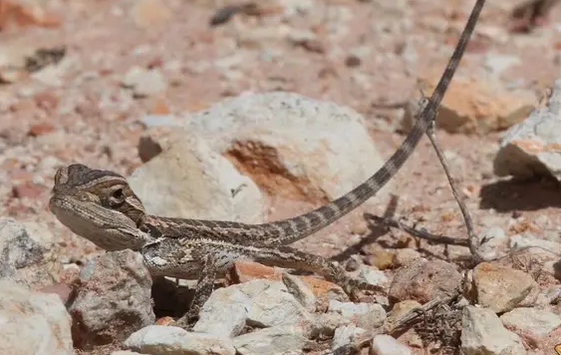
(109, 230)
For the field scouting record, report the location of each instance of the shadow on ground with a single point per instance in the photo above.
(521, 195)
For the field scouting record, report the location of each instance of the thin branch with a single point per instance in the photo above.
(472, 237)
(423, 234)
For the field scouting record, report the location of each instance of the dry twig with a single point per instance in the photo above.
(423, 234)
(406, 321)
(472, 237)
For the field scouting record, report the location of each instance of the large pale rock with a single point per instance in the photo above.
(383, 344)
(532, 146)
(260, 303)
(364, 315)
(275, 305)
(164, 340)
(289, 145)
(26, 253)
(483, 333)
(33, 322)
(532, 324)
(224, 313)
(113, 293)
(526, 240)
(344, 336)
(282, 339)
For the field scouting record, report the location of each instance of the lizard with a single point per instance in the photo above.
(100, 206)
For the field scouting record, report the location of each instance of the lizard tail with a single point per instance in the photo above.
(296, 228)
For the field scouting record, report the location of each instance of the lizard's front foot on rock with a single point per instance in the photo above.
(188, 321)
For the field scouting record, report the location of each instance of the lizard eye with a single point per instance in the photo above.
(116, 198)
(118, 194)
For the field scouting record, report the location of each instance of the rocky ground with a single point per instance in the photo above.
(264, 115)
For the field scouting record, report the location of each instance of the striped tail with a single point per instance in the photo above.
(293, 229)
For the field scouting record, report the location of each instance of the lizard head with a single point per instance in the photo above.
(100, 206)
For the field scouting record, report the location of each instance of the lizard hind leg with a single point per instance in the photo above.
(285, 256)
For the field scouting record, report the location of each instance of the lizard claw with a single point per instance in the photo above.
(188, 320)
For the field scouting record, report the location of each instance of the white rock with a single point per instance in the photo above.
(302, 143)
(300, 290)
(533, 323)
(366, 315)
(33, 322)
(191, 180)
(144, 82)
(161, 339)
(373, 277)
(493, 242)
(483, 333)
(497, 63)
(344, 336)
(525, 240)
(224, 313)
(326, 323)
(276, 306)
(275, 340)
(549, 296)
(261, 303)
(384, 344)
(531, 147)
(289, 145)
(26, 253)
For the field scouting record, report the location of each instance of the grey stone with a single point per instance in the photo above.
(191, 180)
(276, 306)
(26, 253)
(271, 341)
(114, 293)
(33, 322)
(306, 139)
(259, 303)
(534, 324)
(493, 243)
(531, 147)
(345, 336)
(366, 315)
(224, 313)
(300, 290)
(483, 333)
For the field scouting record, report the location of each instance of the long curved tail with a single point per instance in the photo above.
(296, 228)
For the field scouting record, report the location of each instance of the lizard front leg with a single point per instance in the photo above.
(185, 259)
(205, 286)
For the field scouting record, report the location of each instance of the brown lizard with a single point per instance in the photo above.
(100, 206)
